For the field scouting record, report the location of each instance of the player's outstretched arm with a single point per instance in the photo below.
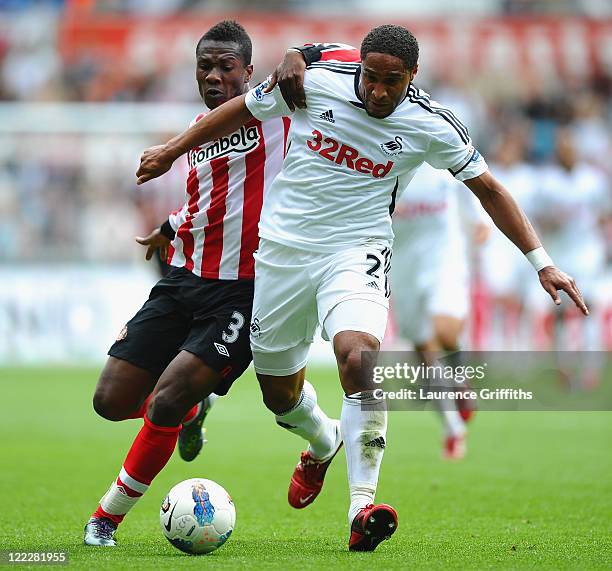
(511, 220)
(220, 122)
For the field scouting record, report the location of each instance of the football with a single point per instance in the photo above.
(197, 516)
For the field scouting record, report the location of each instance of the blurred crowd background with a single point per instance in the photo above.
(86, 85)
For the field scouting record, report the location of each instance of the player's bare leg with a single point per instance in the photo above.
(364, 427)
(294, 402)
(122, 390)
(184, 383)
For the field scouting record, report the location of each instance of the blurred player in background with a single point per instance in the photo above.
(325, 236)
(190, 339)
(506, 284)
(573, 204)
(434, 222)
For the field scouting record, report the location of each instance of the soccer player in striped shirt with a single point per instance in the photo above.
(325, 239)
(190, 339)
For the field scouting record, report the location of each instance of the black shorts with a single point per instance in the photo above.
(209, 318)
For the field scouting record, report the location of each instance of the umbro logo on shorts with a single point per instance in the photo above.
(377, 443)
(328, 116)
(222, 349)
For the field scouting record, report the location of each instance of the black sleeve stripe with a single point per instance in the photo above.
(455, 173)
(442, 112)
(461, 135)
(420, 94)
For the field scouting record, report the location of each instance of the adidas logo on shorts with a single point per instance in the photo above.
(328, 116)
(373, 285)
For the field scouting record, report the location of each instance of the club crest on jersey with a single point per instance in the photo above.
(393, 147)
(241, 141)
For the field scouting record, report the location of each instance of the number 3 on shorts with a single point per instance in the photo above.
(234, 327)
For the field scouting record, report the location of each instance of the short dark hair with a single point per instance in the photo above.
(230, 31)
(392, 40)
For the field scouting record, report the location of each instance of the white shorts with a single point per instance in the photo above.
(297, 291)
(418, 296)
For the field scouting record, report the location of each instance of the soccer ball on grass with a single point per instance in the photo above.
(197, 516)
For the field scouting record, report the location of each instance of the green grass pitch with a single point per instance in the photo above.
(534, 492)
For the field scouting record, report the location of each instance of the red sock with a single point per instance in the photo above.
(149, 453)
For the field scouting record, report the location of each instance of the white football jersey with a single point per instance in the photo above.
(343, 168)
(577, 199)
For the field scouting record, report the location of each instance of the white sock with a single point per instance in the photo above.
(453, 423)
(116, 501)
(364, 427)
(307, 420)
(451, 419)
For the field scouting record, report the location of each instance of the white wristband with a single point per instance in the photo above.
(539, 259)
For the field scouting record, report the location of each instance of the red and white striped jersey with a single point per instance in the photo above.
(217, 227)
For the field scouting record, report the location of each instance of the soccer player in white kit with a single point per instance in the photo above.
(434, 220)
(325, 237)
(574, 200)
(507, 284)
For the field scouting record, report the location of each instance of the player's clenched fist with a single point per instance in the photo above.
(154, 162)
